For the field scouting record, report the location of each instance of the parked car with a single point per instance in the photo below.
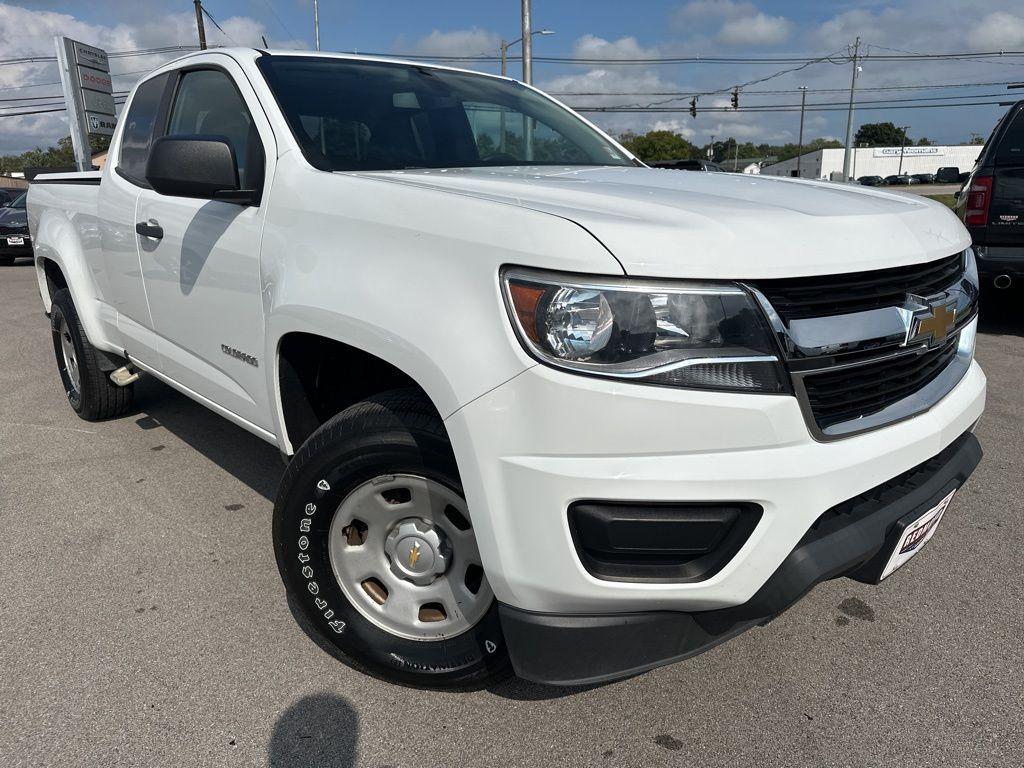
(691, 165)
(14, 237)
(871, 181)
(7, 196)
(923, 178)
(947, 175)
(544, 408)
(991, 202)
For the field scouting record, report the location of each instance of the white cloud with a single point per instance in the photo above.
(755, 30)
(713, 9)
(593, 47)
(997, 31)
(458, 42)
(25, 32)
(614, 81)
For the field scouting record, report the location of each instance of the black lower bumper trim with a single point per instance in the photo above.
(850, 539)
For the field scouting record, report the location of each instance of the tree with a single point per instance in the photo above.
(659, 145)
(53, 157)
(924, 141)
(976, 139)
(880, 135)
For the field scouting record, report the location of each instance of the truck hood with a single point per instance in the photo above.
(668, 223)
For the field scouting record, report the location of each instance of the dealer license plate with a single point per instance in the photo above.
(15, 240)
(916, 535)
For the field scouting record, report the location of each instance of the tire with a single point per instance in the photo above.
(6, 261)
(90, 392)
(378, 458)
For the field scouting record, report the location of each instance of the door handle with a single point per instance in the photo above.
(149, 229)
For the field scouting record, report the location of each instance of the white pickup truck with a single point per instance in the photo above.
(545, 409)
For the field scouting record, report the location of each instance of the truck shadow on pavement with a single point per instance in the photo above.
(317, 730)
(252, 461)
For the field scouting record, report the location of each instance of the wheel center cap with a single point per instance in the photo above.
(415, 555)
(418, 551)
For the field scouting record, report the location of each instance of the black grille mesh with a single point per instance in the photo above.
(821, 295)
(849, 393)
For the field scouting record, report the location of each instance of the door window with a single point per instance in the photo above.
(138, 128)
(207, 103)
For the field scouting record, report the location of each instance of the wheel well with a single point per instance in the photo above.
(55, 280)
(320, 377)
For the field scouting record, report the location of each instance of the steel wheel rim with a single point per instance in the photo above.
(69, 355)
(366, 573)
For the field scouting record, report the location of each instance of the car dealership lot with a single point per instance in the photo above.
(144, 622)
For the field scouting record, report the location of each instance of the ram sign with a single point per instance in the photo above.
(88, 94)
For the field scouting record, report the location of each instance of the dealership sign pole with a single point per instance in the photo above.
(88, 95)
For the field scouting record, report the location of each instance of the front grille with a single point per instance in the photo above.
(849, 393)
(795, 298)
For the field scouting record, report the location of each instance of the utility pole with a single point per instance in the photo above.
(527, 45)
(316, 22)
(504, 58)
(849, 114)
(711, 149)
(527, 78)
(199, 23)
(903, 143)
(800, 144)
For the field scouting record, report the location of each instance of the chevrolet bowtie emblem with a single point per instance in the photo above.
(932, 323)
(414, 554)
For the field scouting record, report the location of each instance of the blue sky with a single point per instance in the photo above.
(604, 29)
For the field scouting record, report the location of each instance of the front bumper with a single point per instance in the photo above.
(854, 540)
(545, 439)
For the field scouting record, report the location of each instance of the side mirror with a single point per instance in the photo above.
(196, 166)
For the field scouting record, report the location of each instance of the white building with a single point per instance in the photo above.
(877, 161)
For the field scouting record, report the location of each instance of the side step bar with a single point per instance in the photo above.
(124, 376)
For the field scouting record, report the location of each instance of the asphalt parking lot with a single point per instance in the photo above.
(144, 623)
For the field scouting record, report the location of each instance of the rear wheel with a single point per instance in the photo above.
(91, 393)
(376, 546)
(6, 261)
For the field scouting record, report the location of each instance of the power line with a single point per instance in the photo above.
(843, 58)
(840, 107)
(113, 55)
(279, 20)
(686, 94)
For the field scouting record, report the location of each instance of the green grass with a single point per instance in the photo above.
(944, 199)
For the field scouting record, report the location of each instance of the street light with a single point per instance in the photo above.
(506, 45)
(800, 147)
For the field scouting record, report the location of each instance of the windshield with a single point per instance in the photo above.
(368, 116)
(19, 201)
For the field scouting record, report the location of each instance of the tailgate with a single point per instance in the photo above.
(1006, 212)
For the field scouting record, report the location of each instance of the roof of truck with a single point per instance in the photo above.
(248, 53)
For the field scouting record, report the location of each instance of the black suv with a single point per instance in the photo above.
(14, 239)
(991, 202)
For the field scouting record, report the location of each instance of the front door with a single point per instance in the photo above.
(202, 275)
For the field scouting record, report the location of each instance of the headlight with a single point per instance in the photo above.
(681, 334)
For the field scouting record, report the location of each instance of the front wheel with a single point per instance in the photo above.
(376, 546)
